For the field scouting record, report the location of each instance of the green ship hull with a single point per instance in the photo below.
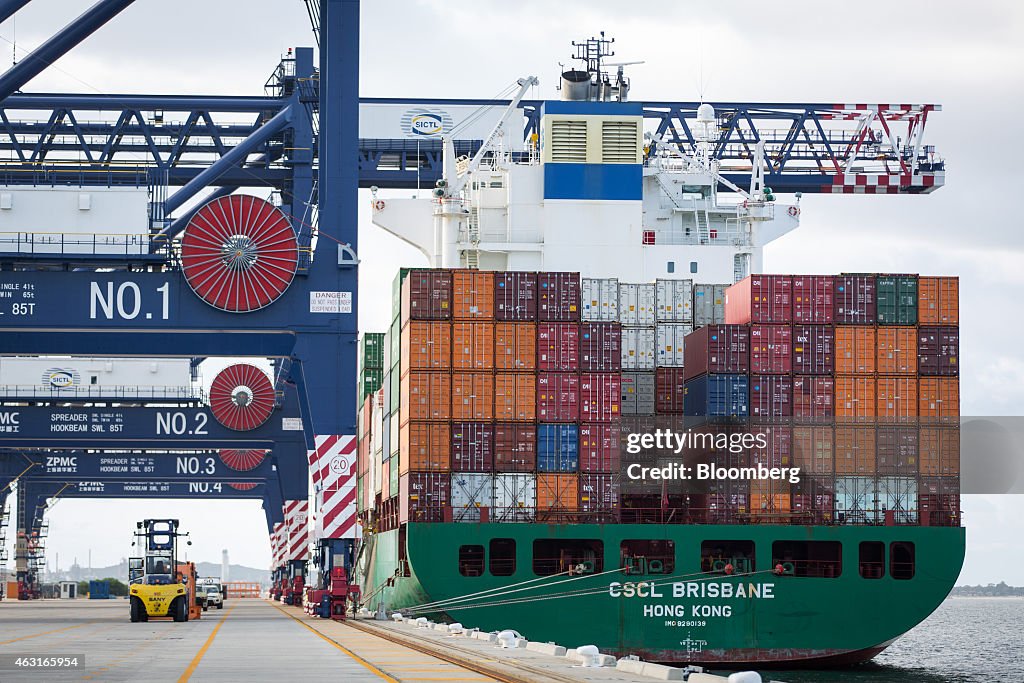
(686, 613)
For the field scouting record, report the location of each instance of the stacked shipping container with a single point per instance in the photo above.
(502, 395)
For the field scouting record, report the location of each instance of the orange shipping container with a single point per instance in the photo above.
(557, 492)
(939, 399)
(939, 449)
(855, 349)
(814, 449)
(473, 346)
(426, 346)
(855, 450)
(897, 399)
(472, 396)
(515, 346)
(897, 350)
(855, 398)
(426, 447)
(473, 295)
(515, 397)
(938, 300)
(426, 396)
(769, 497)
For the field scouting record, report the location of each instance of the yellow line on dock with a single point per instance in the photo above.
(202, 651)
(337, 645)
(44, 633)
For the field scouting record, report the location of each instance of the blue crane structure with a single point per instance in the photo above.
(303, 140)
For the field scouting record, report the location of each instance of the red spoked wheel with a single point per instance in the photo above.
(242, 461)
(241, 397)
(239, 253)
(243, 486)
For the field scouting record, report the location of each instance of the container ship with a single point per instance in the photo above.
(587, 291)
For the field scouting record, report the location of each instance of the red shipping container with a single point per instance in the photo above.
(558, 397)
(599, 497)
(669, 390)
(600, 347)
(472, 396)
(771, 396)
(717, 349)
(472, 447)
(558, 297)
(814, 499)
(814, 349)
(813, 298)
(771, 349)
(600, 396)
(814, 398)
(558, 347)
(515, 447)
(896, 451)
(515, 346)
(515, 296)
(938, 351)
(760, 299)
(423, 496)
(600, 449)
(427, 295)
(855, 300)
(778, 449)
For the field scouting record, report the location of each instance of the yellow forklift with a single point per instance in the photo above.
(157, 585)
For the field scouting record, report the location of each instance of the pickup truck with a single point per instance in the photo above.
(214, 597)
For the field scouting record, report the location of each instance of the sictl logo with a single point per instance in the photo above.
(427, 124)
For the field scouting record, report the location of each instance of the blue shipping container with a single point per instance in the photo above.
(716, 396)
(558, 448)
(99, 590)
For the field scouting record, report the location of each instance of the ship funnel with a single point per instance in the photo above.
(575, 85)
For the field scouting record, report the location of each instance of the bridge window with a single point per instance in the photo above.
(503, 556)
(693, 267)
(872, 559)
(670, 266)
(566, 555)
(901, 560)
(809, 558)
(716, 555)
(471, 560)
(648, 557)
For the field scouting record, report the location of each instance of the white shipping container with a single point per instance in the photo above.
(394, 434)
(709, 305)
(637, 304)
(674, 300)
(515, 497)
(600, 299)
(670, 344)
(638, 348)
(97, 377)
(470, 493)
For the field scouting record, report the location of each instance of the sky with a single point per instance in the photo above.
(972, 63)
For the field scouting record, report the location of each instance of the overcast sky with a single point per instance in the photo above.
(971, 62)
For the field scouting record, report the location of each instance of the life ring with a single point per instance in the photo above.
(379, 205)
(794, 211)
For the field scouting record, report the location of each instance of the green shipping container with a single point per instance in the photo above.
(394, 476)
(396, 292)
(359, 495)
(395, 391)
(371, 350)
(897, 299)
(396, 342)
(370, 380)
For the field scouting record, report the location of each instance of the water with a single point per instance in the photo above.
(966, 640)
